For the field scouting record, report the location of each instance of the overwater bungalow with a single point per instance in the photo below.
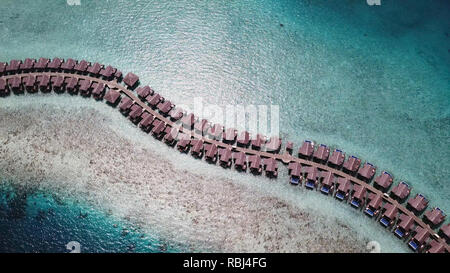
(147, 121)
(215, 131)
(258, 141)
(107, 73)
(295, 172)
(243, 140)
(112, 97)
(321, 154)
(170, 135)
(367, 172)
(27, 65)
(306, 150)
(419, 239)
(131, 80)
(44, 83)
(359, 193)
(389, 215)
(327, 186)
(135, 113)
(271, 167)
(444, 232)
(55, 64)
(417, 204)
(374, 206)
(85, 87)
(312, 177)
(98, 90)
(41, 64)
(188, 121)
(255, 164)
(68, 65)
(197, 148)
(158, 128)
(30, 83)
(435, 247)
(240, 161)
(201, 126)
(352, 164)
(176, 114)
(211, 152)
(4, 89)
(225, 157)
(94, 70)
(273, 145)
(229, 136)
(57, 83)
(337, 159)
(81, 67)
(165, 107)
(343, 188)
(125, 105)
(71, 85)
(434, 217)
(183, 142)
(404, 226)
(154, 99)
(383, 182)
(15, 85)
(144, 91)
(13, 67)
(401, 192)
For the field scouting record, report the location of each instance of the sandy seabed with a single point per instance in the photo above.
(78, 149)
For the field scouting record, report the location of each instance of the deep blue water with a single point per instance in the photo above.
(38, 221)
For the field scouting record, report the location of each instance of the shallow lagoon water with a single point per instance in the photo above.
(372, 81)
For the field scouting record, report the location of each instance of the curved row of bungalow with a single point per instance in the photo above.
(158, 116)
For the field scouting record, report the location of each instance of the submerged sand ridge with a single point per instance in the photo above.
(75, 151)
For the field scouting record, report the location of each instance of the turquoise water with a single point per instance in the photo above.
(371, 80)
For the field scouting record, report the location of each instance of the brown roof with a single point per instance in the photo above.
(82, 66)
(401, 191)
(125, 103)
(312, 173)
(71, 83)
(13, 65)
(57, 81)
(240, 158)
(55, 63)
(406, 222)
(306, 149)
(270, 164)
(258, 141)
(367, 171)
(216, 131)
(27, 64)
(158, 127)
(435, 216)
(85, 84)
(165, 107)
(322, 152)
(188, 120)
(445, 229)
(147, 120)
(131, 79)
(384, 180)
(176, 113)
(225, 155)
(171, 134)
(337, 158)
(375, 200)
(136, 111)
(98, 88)
(255, 161)
(68, 64)
(421, 235)
(274, 144)
(201, 125)
(436, 247)
(211, 150)
(359, 192)
(328, 178)
(30, 81)
(352, 164)
(112, 96)
(144, 91)
(230, 134)
(344, 184)
(295, 168)
(390, 212)
(94, 68)
(154, 99)
(243, 138)
(197, 146)
(41, 63)
(44, 80)
(418, 203)
(183, 140)
(108, 71)
(2, 85)
(15, 82)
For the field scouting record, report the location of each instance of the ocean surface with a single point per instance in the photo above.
(371, 80)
